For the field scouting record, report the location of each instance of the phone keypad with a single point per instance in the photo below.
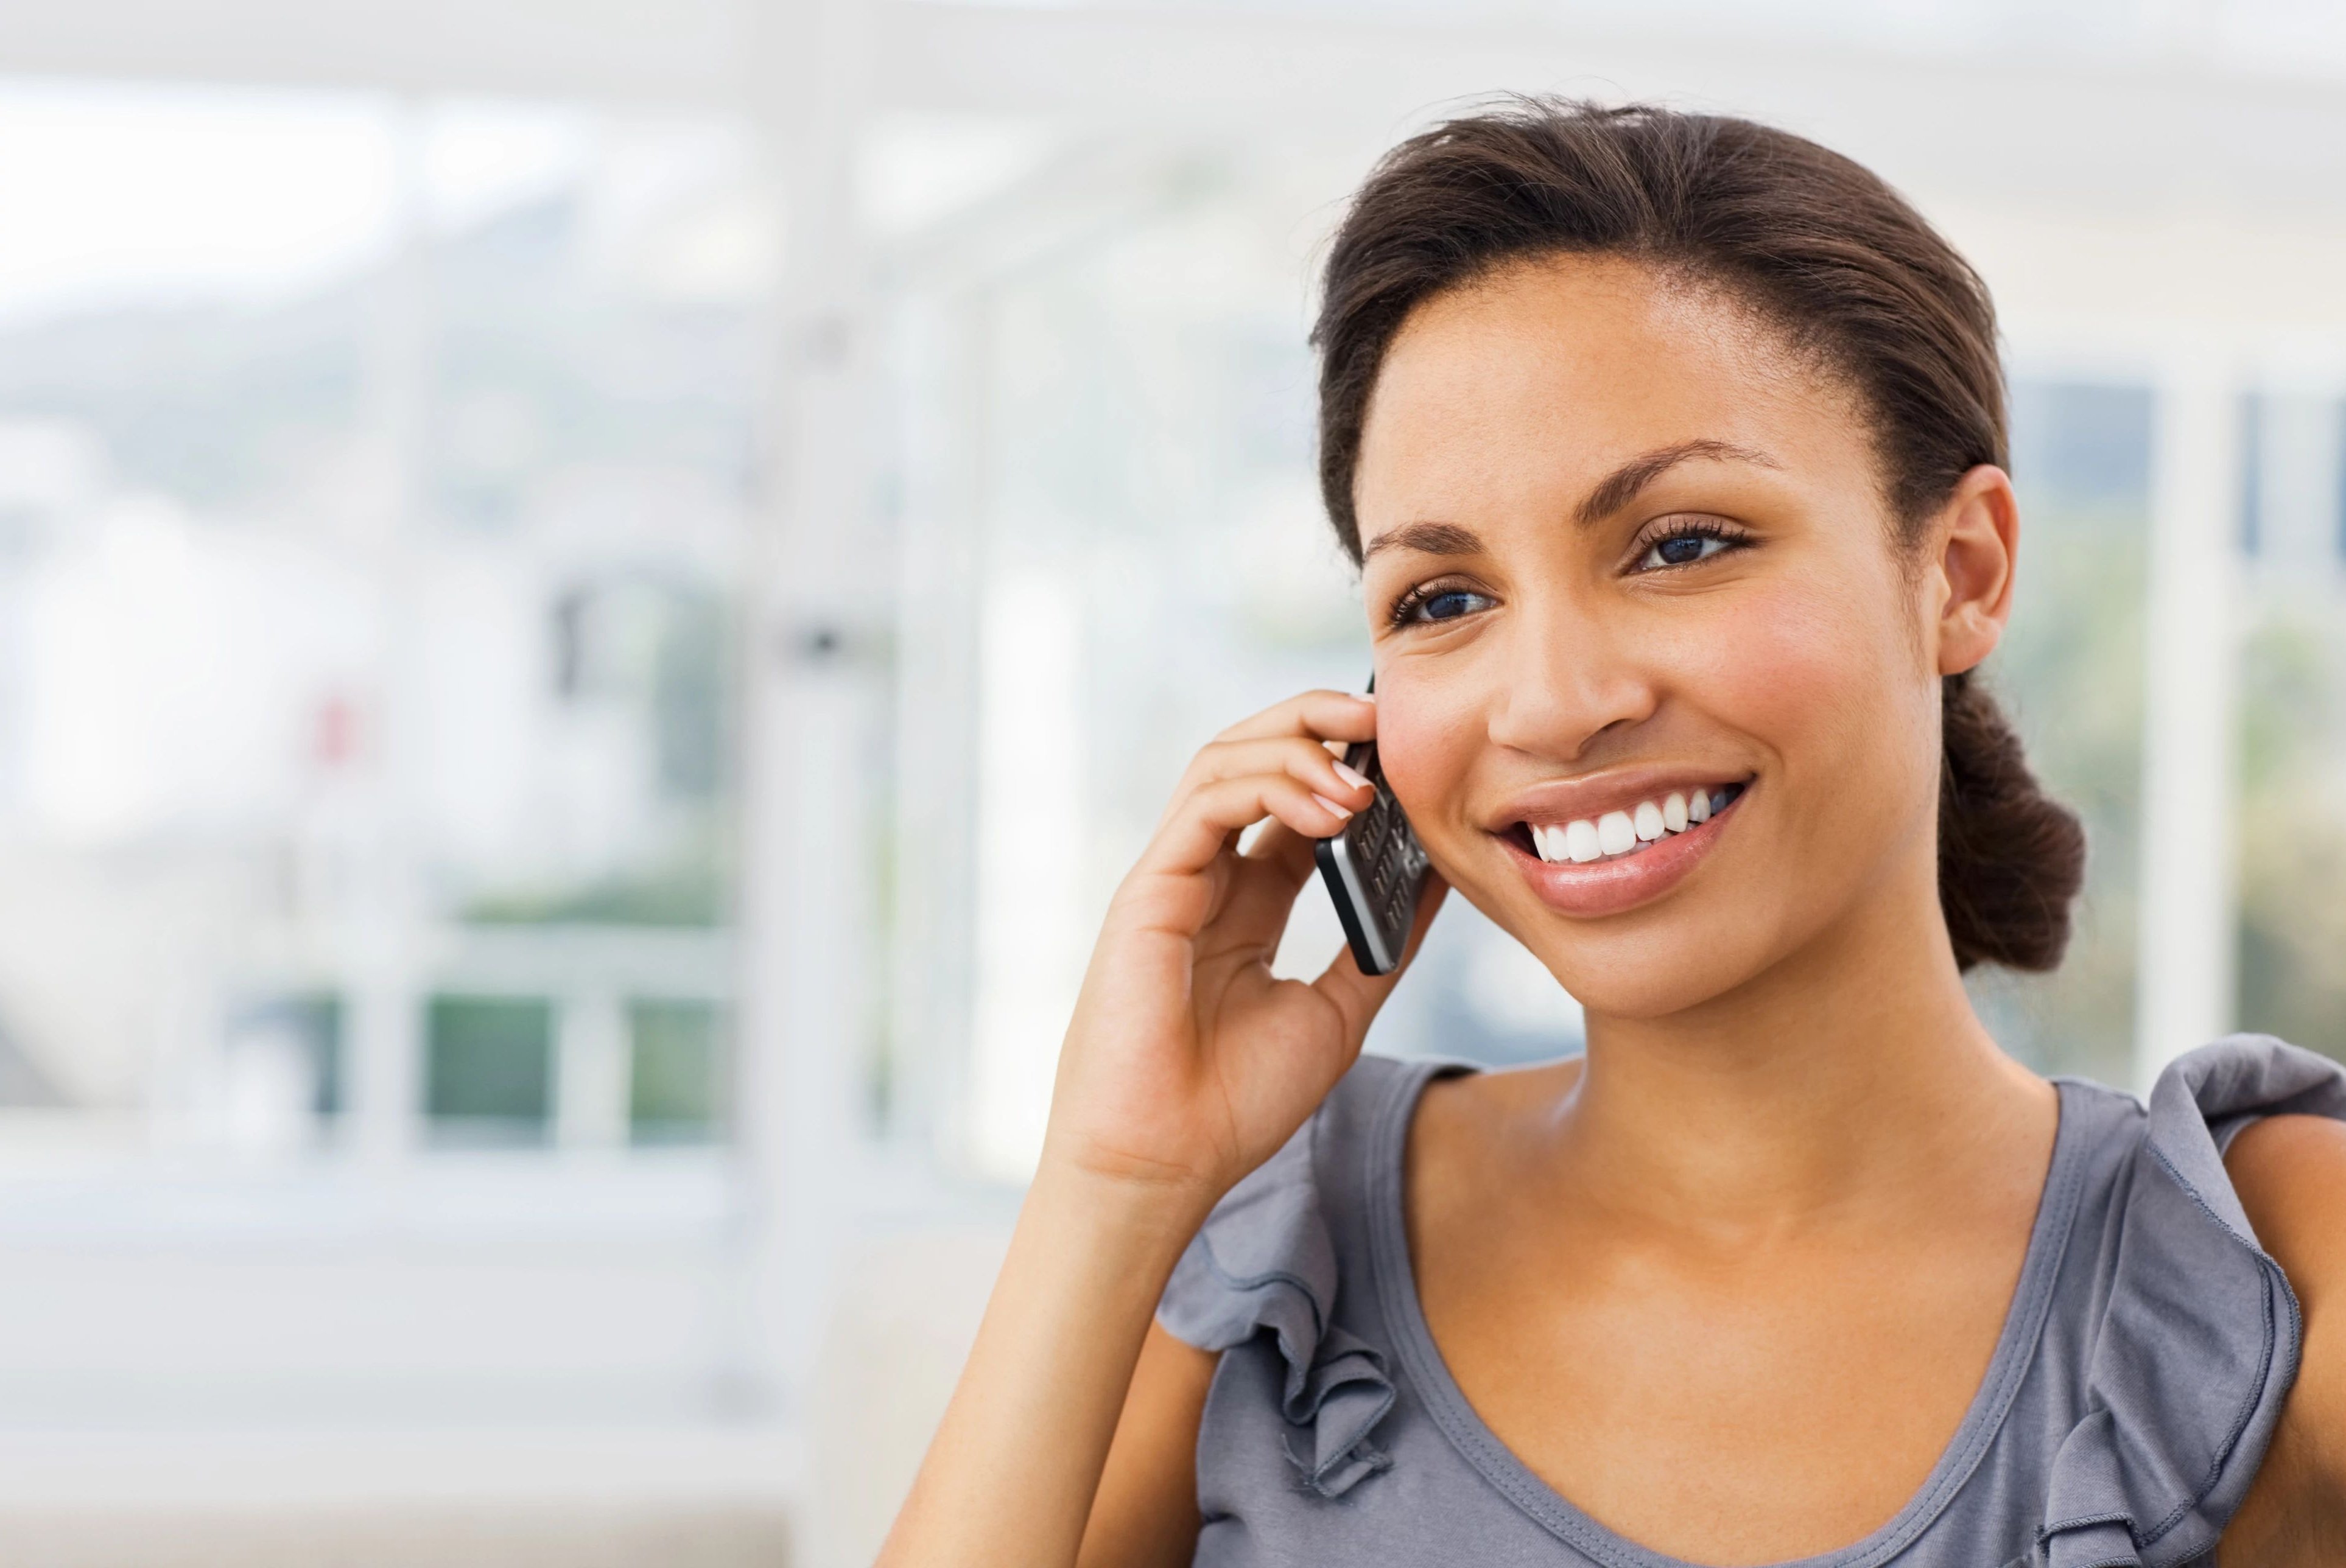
(1392, 863)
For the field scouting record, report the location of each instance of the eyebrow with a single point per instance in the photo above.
(1617, 489)
(1426, 538)
(1621, 486)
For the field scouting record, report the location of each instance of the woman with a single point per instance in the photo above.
(1672, 449)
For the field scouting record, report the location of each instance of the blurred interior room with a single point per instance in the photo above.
(595, 597)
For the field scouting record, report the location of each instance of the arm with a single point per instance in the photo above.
(1186, 1066)
(1011, 1475)
(2291, 1174)
(1146, 1515)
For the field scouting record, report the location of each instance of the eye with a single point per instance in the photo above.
(1686, 543)
(1449, 604)
(1437, 602)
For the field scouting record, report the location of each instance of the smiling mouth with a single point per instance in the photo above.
(1617, 835)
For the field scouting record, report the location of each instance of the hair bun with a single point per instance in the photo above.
(2010, 858)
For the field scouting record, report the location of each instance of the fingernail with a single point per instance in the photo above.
(1329, 804)
(1349, 776)
(1370, 698)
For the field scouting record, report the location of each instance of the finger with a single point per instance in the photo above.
(1281, 845)
(1196, 830)
(1358, 996)
(1321, 715)
(1305, 760)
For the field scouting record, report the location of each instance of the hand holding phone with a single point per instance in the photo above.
(1374, 870)
(1187, 1062)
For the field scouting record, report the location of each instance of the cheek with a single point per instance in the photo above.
(1823, 671)
(1427, 741)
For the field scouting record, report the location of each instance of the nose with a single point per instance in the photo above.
(1566, 682)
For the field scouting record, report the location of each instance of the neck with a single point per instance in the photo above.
(1856, 1070)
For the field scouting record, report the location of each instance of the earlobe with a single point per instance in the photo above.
(1977, 544)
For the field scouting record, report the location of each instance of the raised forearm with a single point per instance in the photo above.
(1010, 1478)
(1186, 1064)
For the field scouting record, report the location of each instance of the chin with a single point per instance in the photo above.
(1652, 961)
(1665, 970)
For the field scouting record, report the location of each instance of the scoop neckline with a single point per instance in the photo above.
(1396, 1286)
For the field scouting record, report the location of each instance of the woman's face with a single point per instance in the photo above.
(1627, 552)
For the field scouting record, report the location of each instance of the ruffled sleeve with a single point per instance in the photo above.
(2198, 1347)
(1264, 1264)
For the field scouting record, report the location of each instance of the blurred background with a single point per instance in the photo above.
(593, 598)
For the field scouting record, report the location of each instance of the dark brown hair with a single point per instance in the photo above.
(1840, 264)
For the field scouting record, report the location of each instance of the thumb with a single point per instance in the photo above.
(1357, 996)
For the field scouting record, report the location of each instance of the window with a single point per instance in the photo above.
(490, 1077)
(2291, 839)
(371, 486)
(2069, 674)
(676, 1072)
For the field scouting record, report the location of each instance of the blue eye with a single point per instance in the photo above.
(1684, 548)
(1449, 604)
(1434, 604)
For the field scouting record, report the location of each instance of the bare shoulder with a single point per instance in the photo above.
(2290, 1175)
(1462, 1121)
(1463, 1107)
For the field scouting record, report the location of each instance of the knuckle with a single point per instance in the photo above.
(1227, 795)
(1214, 759)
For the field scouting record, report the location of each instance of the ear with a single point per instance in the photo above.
(1971, 552)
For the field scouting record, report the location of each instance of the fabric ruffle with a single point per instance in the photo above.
(2199, 1345)
(1265, 1262)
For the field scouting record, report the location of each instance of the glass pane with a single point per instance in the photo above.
(2069, 673)
(373, 476)
(586, 465)
(489, 1070)
(2292, 839)
(293, 1045)
(677, 1055)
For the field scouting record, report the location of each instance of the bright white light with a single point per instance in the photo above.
(918, 168)
(481, 157)
(1031, 916)
(167, 670)
(109, 194)
(114, 195)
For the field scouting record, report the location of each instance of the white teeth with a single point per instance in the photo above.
(1615, 832)
(1625, 833)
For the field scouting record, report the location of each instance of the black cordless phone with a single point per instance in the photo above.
(1374, 870)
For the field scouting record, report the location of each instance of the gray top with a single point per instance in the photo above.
(2143, 1363)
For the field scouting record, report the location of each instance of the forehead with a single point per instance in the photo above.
(1521, 392)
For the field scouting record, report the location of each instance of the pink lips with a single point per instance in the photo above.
(1609, 887)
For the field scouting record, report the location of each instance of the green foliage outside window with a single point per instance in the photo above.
(676, 1088)
(489, 1069)
(2292, 845)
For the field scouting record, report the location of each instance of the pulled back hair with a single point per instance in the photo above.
(1836, 262)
